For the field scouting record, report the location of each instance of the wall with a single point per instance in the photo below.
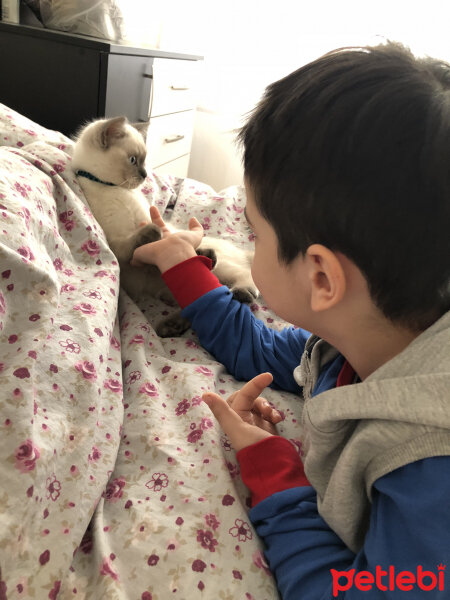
(249, 43)
(215, 155)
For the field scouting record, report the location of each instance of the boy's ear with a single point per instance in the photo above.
(327, 277)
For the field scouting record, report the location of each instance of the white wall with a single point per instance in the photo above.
(249, 43)
(215, 156)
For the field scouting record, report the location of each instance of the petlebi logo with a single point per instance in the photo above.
(388, 579)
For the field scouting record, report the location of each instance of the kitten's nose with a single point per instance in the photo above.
(143, 173)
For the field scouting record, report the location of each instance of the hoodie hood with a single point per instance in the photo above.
(355, 434)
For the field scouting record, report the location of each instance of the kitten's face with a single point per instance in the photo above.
(113, 150)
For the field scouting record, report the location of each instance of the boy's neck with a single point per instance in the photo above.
(369, 348)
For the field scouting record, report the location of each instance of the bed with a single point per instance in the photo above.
(116, 481)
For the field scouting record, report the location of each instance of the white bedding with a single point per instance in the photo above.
(115, 480)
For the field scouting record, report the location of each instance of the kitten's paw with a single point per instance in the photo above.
(246, 295)
(208, 252)
(147, 234)
(167, 297)
(173, 326)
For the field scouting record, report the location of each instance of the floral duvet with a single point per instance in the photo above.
(115, 480)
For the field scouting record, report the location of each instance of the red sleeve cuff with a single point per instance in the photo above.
(269, 466)
(191, 279)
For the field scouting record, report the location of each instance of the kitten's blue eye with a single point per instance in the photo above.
(133, 160)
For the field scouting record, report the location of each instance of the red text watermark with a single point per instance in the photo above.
(388, 579)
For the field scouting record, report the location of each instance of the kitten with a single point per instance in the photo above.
(109, 160)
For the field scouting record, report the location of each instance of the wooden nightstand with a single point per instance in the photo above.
(62, 80)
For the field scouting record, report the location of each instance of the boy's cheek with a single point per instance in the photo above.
(255, 271)
(262, 269)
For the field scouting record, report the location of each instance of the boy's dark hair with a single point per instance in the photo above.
(352, 151)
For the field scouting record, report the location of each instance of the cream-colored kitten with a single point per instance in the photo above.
(109, 159)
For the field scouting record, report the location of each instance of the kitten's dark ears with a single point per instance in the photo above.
(111, 130)
(142, 128)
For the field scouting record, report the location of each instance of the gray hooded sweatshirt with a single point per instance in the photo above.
(355, 434)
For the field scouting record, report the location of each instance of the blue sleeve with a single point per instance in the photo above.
(409, 526)
(242, 343)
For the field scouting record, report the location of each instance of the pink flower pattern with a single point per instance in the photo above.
(26, 456)
(91, 247)
(85, 308)
(204, 371)
(53, 488)
(114, 385)
(87, 370)
(149, 389)
(71, 346)
(99, 417)
(157, 482)
(68, 222)
(94, 294)
(260, 562)
(194, 436)
(241, 530)
(58, 264)
(207, 540)
(199, 566)
(107, 569)
(182, 407)
(133, 377)
(26, 253)
(114, 489)
(95, 454)
(212, 521)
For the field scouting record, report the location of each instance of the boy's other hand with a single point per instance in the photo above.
(172, 248)
(245, 417)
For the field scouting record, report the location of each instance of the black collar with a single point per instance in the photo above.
(93, 177)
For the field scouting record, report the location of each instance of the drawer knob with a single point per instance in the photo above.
(179, 87)
(173, 138)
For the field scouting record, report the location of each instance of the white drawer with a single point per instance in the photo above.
(178, 167)
(169, 137)
(174, 83)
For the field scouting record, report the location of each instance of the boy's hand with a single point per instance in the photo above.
(245, 417)
(173, 248)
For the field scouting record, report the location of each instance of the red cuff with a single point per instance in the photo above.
(191, 279)
(269, 466)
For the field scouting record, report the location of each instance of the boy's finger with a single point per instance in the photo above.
(156, 217)
(266, 411)
(228, 419)
(247, 395)
(194, 224)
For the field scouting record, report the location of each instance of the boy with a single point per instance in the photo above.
(348, 193)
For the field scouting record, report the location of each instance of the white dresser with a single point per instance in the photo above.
(171, 111)
(95, 79)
